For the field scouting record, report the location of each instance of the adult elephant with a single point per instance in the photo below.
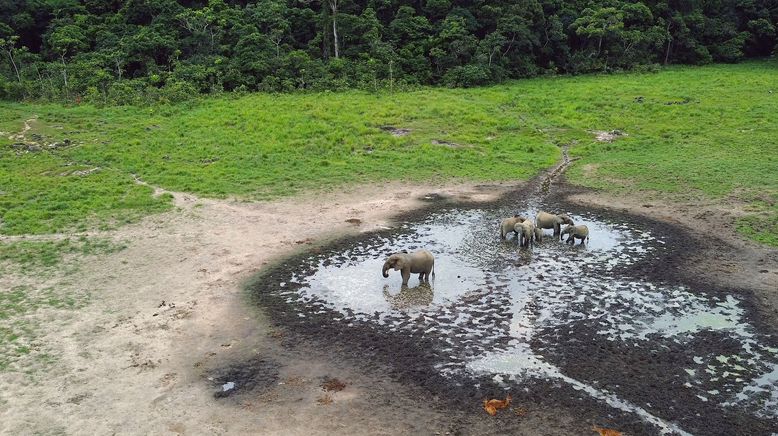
(545, 220)
(421, 262)
(508, 225)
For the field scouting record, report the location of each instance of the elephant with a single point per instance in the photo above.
(421, 262)
(538, 234)
(546, 220)
(581, 232)
(526, 231)
(409, 297)
(508, 225)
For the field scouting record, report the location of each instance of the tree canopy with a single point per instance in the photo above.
(118, 50)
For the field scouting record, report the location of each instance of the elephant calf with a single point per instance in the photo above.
(508, 225)
(538, 234)
(545, 220)
(421, 262)
(526, 231)
(581, 232)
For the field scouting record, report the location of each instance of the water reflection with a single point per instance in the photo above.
(491, 299)
(407, 297)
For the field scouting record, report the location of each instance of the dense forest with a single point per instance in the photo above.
(138, 50)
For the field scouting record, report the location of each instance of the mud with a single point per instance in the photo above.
(254, 375)
(615, 331)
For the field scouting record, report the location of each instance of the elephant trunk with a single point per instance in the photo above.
(386, 269)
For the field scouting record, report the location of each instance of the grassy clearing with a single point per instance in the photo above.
(23, 309)
(36, 256)
(707, 132)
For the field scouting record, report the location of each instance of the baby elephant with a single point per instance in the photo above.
(538, 234)
(508, 225)
(421, 262)
(526, 231)
(546, 220)
(581, 232)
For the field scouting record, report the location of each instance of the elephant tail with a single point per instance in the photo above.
(433, 270)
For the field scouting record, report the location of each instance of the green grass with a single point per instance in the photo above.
(28, 256)
(24, 308)
(720, 142)
(21, 313)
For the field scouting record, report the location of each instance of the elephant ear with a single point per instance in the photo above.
(399, 263)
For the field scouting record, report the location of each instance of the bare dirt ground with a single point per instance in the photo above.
(170, 309)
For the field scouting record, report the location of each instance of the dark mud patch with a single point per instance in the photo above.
(614, 332)
(434, 197)
(332, 384)
(395, 131)
(253, 375)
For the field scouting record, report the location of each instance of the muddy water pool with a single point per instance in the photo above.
(669, 354)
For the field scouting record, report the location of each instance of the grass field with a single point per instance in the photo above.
(708, 131)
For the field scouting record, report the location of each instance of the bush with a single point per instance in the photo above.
(11, 90)
(466, 76)
(177, 90)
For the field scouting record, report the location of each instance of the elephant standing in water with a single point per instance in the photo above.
(421, 262)
(508, 225)
(538, 234)
(526, 232)
(581, 232)
(545, 220)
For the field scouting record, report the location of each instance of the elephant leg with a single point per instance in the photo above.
(421, 277)
(406, 273)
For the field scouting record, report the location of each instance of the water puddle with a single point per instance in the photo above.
(571, 314)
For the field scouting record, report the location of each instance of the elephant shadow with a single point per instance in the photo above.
(417, 296)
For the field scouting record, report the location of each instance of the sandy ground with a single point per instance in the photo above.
(169, 309)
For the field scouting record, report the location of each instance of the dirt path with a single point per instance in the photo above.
(170, 308)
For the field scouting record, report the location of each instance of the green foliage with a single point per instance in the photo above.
(140, 52)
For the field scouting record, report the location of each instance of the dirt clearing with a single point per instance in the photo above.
(165, 341)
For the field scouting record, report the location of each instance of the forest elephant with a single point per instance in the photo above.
(508, 225)
(545, 220)
(526, 231)
(538, 234)
(409, 297)
(421, 262)
(581, 232)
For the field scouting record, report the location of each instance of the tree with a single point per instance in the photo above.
(599, 23)
(8, 44)
(67, 40)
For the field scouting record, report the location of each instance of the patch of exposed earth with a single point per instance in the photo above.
(168, 317)
(170, 342)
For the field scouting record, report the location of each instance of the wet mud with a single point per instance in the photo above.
(254, 375)
(614, 330)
